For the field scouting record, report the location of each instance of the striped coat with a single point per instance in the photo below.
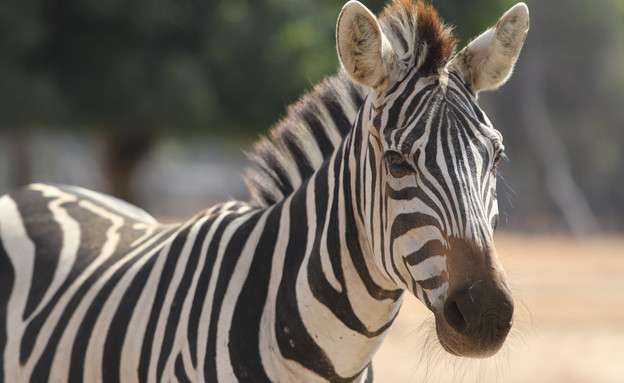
(379, 180)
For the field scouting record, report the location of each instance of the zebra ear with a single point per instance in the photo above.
(364, 51)
(487, 61)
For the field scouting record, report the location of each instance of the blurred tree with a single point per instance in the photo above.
(563, 117)
(133, 71)
(29, 94)
(127, 69)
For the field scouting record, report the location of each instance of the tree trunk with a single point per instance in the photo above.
(21, 164)
(122, 152)
(559, 181)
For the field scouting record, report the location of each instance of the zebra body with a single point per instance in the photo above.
(381, 180)
(239, 269)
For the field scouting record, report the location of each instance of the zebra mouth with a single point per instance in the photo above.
(481, 342)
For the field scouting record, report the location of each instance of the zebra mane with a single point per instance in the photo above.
(316, 124)
(299, 144)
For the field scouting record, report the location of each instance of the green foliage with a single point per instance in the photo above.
(230, 67)
(221, 66)
(471, 18)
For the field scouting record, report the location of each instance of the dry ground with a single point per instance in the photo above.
(569, 326)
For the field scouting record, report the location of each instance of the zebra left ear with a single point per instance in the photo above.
(364, 51)
(487, 61)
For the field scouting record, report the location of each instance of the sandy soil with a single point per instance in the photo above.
(569, 323)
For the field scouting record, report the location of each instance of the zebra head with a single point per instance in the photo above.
(432, 154)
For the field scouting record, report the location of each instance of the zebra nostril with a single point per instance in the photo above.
(454, 316)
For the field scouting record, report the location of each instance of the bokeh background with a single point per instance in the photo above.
(155, 101)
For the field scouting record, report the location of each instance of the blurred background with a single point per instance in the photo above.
(155, 101)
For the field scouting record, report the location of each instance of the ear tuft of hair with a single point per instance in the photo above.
(438, 38)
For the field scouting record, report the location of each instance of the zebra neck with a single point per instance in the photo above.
(328, 304)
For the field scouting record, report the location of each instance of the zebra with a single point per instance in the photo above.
(381, 179)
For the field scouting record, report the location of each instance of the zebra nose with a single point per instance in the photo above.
(481, 313)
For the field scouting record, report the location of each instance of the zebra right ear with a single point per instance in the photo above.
(364, 51)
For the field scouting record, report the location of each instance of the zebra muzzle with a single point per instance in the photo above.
(475, 319)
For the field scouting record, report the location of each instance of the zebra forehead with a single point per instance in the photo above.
(414, 120)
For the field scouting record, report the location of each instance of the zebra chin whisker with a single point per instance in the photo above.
(435, 365)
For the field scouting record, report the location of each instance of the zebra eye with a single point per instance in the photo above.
(397, 163)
